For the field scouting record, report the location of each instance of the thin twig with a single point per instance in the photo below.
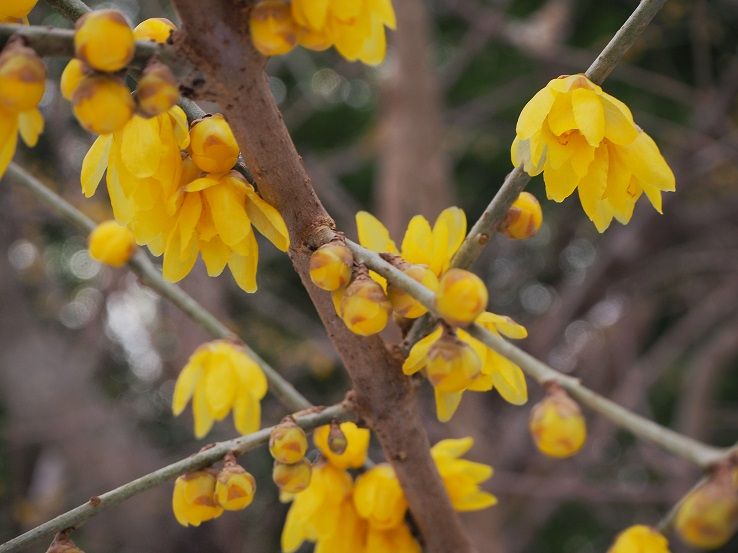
(140, 264)
(682, 446)
(71, 9)
(79, 515)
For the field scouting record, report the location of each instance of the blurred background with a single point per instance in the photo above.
(646, 314)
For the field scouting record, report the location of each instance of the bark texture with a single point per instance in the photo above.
(214, 38)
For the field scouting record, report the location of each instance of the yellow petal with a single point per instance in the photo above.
(203, 418)
(123, 206)
(178, 262)
(8, 138)
(215, 254)
(250, 375)
(619, 125)
(375, 47)
(31, 126)
(373, 235)
(220, 386)
(185, 386)
(189, 215)
(561, 182)
(534, 114)
(592, 190)
(417, 240)
(589, 115)
(198, 185)
(246, 413)
(502, 324)
(181, 127)
(644, 159)
(418, 355)
(509, 380)
(141, 146)
(582, 154)
(475, 501)
(446, 404)
(243, 267)
(450, 238)
(561, 119)
(267, 221)
(229, 213)
(452, 448)
(95, 163)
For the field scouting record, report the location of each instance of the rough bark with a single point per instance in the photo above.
(214, 38)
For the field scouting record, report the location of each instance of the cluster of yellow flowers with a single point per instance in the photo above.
(16, 11)
(204, 495)
(220, 377)
(356, 28)
(288, 445)
(367, 514)
(581, 138)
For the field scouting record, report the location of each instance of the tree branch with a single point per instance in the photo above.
(79, 515)
(71, 9)
(140, 264)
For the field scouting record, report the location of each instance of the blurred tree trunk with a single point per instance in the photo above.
(413, 168)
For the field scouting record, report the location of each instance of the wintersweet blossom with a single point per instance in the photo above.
(16, 11)
(640, 539)
(462, 477)
(582, 138)
(357, 444)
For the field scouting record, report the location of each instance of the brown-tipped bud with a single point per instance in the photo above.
(102, 104)
(288, 443)
(330, 266)
(365, 308)
(452, 364)
(212, 145)
(557, 424)
(273, 30)
(22, 78)
(235, 487)
(156, 29)
(157, 90)
(524, 218)
(337, 441)
(708, 516)
(73, 74)
(403, 303)
(104, 40)
(63, 544)
(461, 297)
(292, 478)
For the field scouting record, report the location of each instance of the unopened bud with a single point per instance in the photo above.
(193, 500)
(73, 74)
(330, 266)
(212, 145)
(708, 516)
(403, 303)
(22, 78)
(640, 539)
(234, 487)
(156, 29)
(102, 104)
(461, 297)
(157, 90)
(63, 544)
(273, 31)
(16, 9)
(292, 478)
(112, 244)
(452, 364)
(557, 424)
(365, 308)
(104, 40)
(337, 441)
(524, 218)
(288, 443)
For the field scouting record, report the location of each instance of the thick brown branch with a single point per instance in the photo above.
(215, 40)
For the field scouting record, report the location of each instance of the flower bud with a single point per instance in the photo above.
(524, 218)
(234, 487)
(328, 440)
(461, 297)
(403, 303)
(193, 500)
(337, 440)
(102, 104)
(330, 266)
(288, 443)
(365, 308)
(157, 90)
(640, 539)
(452, 365)
(379, 498)
(708, 516)
(273, 31)
(156, 29)
(292, 478)
(63, 544)
(112, 244)
(73, 74)
(16, 9)
(22, 78)
(557, 425)
(213, 147)
(104, 40)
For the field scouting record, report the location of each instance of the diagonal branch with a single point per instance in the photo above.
(79, 515)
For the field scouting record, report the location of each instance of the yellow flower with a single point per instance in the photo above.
(220, 377)
(16, 11)
(452, 366)
(331, 266)
(523, 219)
(193, 500)
(461, 297)
(288, 443)
(156, 29)
(212, 145)
(22, 84)
(497, 372)
(557, 425)
(104, 40)
(639, 539)
(355, 28)
(234, 487)
(461, 477)
(273, 31)
(708, 516)
(378, 497)
(582, 138)
(112, 244)
(357, 445)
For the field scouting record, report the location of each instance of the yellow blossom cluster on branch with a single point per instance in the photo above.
(582, 138)
(355, 28)
(16, 11)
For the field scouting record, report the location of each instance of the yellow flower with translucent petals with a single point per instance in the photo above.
(220, 377)
(581, 138)
(193, 500)
(462, 477)
(640, 539)
(378, 497)
(16, 11)
(357, 445)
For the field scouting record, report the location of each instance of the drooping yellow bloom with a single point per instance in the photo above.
(583, 139)
(557, 425)
(112, 244)
(708, 516)
(220, 377)
(16, 11)
(497, 372)
(378, 497)
(357, 445)
(462, 477)
(193, 500)
(22, 85)
(640, 539)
